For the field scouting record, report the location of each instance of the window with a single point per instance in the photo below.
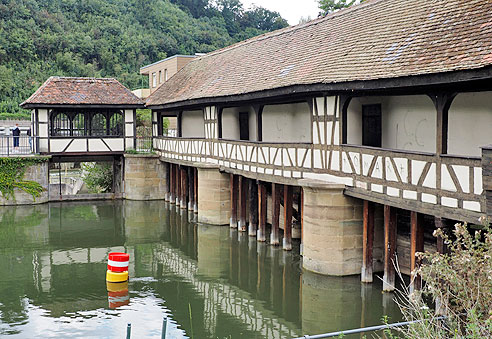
(116, 124)
(98, 124)
(78, 125)
(165, 74)
(60, 125)
(154, 80)
(371, 125)
(160, 77)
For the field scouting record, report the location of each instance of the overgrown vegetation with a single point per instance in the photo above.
(459, 284)
(112, 38)
(328, 6)
(12, 172)
(98, 177)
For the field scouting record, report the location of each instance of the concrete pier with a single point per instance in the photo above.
(145, 177)
(214, 204)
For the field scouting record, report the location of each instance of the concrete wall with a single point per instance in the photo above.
(172, 64)
(332, 230)
(408, 122)
(193, 124)
(37, 173)
(287, 123)
(214, 205)
(470, 118)
(144, 177)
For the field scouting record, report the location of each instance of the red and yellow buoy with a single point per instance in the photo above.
(117, 267)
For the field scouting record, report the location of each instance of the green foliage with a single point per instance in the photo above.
(111, 38)
(97, 176)
(144, 117)
(15, 116)
(12, 172)
(460, 283)
(329, 6)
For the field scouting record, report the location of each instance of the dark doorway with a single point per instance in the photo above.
(371, 125)
(243, 125)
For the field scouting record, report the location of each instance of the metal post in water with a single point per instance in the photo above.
(164, 328)
(128, 331)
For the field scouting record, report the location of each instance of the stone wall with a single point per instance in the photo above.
(144, 177)
(332, 241)
(38, 173)
(214, 203)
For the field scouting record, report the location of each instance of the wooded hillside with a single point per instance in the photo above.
(112, 38)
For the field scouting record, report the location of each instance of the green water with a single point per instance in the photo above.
(53, 264)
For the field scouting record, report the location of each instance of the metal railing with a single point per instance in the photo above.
(17, 145)
(143, 144)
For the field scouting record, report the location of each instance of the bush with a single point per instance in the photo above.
(457, 284)
(97, 176)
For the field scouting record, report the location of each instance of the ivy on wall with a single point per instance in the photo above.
(12, 172)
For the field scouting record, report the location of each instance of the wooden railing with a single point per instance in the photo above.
(449, 181)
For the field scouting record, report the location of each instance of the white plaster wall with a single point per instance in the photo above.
(252, 124)
(230, 123)
(408, 122)
(193, 124)
(469, 124)
(287, 123)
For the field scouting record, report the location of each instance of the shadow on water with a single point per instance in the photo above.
(53, 263)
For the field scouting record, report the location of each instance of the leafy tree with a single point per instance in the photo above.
(111, 38)
(329, 6)
(97, 176)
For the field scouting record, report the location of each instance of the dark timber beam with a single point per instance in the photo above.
(233, 182)
(262, 211)
(195, 183)
(275, 238)
(389, 248)
(184, 187)
(442, 102)
(243, 194)
(253, 208)
(287, 242)
(172, 179)
(168, 181)
(191, 188)
(367, 242)
(178, 185)
(416, 245)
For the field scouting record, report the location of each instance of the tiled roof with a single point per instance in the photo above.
(378, 39)
(82, 91)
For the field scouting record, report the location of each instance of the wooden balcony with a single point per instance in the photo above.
(445, 186)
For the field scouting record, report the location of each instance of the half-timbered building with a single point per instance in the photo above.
(369, 127)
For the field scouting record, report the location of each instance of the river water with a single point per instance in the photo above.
(209, 281)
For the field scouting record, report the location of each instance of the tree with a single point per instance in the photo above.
(329, 6)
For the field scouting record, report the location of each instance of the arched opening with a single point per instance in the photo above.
(60, 125)
(116, 124)
(98, 125)
(78, 125)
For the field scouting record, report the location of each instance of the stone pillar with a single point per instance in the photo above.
(332, 243)
(214, 205)
(145, 177)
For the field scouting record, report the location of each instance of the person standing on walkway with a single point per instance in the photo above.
(16, 134)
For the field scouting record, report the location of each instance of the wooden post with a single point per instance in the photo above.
(416, 245)
(243, 193)
(168, 182)
(195, 183)
(389, 248)
(367, 241)
(173, 184)
(274, 238)
(234, 192)
(191, 189)
(287, 243)
(253, 208)
(178, 185)
(441, 246)
(262, 211)
(184, 187)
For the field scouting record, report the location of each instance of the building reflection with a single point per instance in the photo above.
(232, 283)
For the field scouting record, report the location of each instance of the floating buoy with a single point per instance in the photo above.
(117, 267)
(118, 262)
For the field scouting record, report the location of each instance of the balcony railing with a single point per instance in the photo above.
(424, 178)
(17, 145)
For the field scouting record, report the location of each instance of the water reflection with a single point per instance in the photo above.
(53, 264)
